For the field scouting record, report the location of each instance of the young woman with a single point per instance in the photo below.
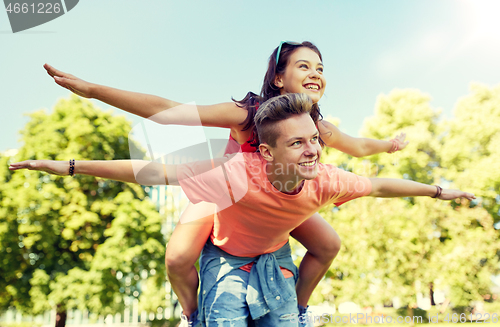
(293, 68)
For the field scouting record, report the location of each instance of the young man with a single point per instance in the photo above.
(246, 267)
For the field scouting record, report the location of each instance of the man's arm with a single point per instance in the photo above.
(129, 171)
(391, 188)
(356, 146)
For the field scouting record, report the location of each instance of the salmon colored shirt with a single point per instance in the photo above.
(253, 216)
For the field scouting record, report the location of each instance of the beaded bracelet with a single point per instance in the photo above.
(438, 191)
(394, 147)
(72, 167)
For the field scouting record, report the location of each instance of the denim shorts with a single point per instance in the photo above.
(226, 305)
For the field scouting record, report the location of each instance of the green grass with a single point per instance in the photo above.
(450, 316)
(441, 324)
(23, 324)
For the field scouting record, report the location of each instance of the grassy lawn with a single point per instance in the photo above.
(392, 317)
(24, 324)
(381, 318)
(387, 321)
(441, 324)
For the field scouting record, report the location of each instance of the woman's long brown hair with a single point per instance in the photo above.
(269, 89)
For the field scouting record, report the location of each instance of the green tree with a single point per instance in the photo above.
(391, 244)
(471, 146)
(406, 111)
(467, 253)
(470, 155)
(75, 242)
(10, 253)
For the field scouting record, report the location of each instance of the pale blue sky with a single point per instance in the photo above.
(208, 51)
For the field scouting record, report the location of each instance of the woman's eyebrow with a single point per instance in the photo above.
(307, 61)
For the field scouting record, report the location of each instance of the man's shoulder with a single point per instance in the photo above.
(252, 156)
(249, 158)
(327, 170)
(244, 160)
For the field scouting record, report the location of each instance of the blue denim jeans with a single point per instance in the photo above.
(264, 289)
(226, 304)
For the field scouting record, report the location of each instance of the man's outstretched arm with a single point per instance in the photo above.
(130, 171)
(392, 188)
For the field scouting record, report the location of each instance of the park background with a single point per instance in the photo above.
(427, 68)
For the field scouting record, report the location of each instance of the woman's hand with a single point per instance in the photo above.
(400, 140)
(60, 168)
(70, 82)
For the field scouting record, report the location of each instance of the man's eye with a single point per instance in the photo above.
(296, 143)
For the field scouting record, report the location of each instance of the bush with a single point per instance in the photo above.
(417, 312)
(462, 309)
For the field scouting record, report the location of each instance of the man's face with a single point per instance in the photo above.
(297, 149)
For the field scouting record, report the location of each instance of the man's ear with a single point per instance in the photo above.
(266, 152)
(278, 81)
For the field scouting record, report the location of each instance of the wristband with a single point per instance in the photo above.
(394, 147)
(439, 190)
(72, 167)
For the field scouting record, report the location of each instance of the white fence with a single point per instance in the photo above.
(170, 202)
(131, 317)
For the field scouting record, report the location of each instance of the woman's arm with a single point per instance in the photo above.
(391, 188)
(226, 115)
(355, 146)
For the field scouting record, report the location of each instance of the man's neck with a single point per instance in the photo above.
(283, 182)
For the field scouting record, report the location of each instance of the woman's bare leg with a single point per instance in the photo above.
(322, 243)
(183, 249)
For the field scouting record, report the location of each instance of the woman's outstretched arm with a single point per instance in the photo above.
(226, 115)
(357, 146)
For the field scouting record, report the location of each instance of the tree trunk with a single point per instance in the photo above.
(431, 292)
(410, 314)
(61, 316)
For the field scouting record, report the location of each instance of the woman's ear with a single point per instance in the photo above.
(266, 152)
(278, 81)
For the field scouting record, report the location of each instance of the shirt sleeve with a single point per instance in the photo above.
(208, 182)
(205, 186)
(347, 186)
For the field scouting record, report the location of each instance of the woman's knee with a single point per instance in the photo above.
(333, 247)
(329, 247)
(178, 261)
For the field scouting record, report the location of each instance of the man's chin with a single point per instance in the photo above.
(311, 175)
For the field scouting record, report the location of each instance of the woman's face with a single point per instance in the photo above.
(303, 74)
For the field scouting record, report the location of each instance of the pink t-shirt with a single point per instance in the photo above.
(253, 216)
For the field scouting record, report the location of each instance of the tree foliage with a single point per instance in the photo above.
(390, 245)
(471, 146)
(78, 242)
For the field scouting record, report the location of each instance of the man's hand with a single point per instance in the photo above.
(70, 82)
(455, 194)
(60, 168)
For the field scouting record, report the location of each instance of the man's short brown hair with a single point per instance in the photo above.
(277, 109)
